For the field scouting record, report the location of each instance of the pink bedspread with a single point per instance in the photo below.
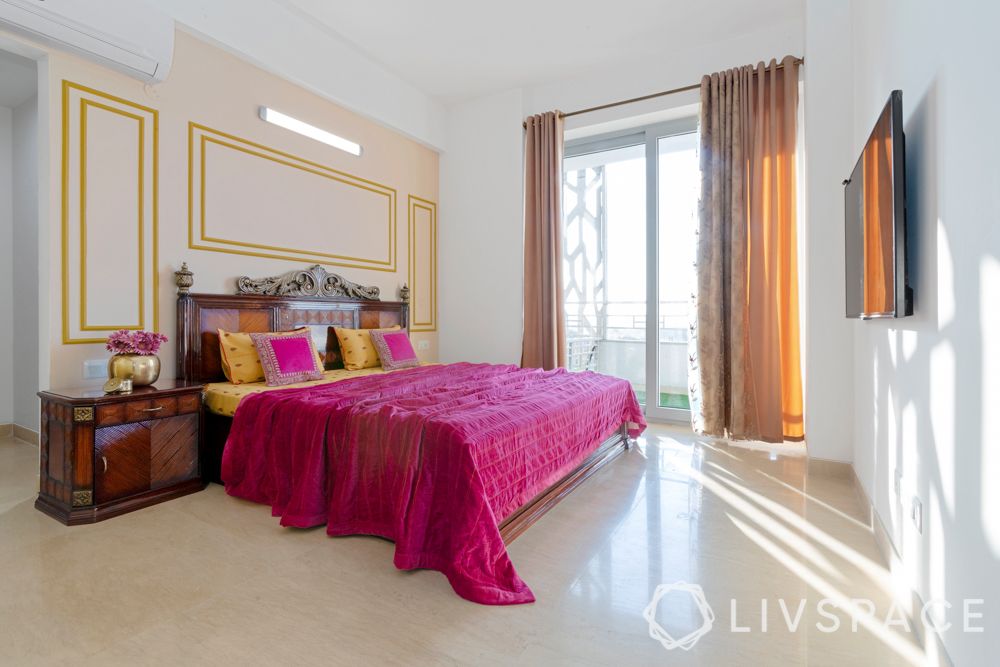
(433, 458)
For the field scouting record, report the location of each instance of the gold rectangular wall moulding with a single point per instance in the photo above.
(110, 201)
(248, 199)
(422, 245)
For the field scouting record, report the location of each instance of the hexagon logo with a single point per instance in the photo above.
(688, 641)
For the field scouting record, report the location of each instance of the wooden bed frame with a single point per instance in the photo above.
(318, 300)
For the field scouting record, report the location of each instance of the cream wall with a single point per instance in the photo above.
(321, 61)
(216, 90)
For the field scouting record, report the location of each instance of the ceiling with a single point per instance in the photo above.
(458, 49)
(18, 79)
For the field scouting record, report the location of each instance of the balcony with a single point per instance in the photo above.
(610, 338)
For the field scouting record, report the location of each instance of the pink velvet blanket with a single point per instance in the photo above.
(433, 458)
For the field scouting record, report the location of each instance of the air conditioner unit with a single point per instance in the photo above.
(127, 35)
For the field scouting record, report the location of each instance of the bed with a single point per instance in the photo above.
(451, 461)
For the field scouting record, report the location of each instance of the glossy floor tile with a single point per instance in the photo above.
(208, 579)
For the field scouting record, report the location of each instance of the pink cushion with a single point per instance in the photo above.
(287, 359)
(394, 349)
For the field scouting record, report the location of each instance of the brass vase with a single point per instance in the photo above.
(142, 369)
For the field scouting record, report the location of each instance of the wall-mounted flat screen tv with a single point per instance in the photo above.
(875, 222)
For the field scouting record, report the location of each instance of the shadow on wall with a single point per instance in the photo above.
(927, 382)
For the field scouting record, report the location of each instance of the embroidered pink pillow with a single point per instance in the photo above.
(287, 359)
(394, 349)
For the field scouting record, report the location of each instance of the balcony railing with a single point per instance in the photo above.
(611, 338)
(622, 317)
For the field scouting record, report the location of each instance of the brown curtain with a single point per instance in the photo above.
(544, 342)
(747, 379)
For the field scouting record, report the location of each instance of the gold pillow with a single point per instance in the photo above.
(357, 349)
(240, 361)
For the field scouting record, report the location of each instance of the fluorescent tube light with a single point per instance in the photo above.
(305, 129)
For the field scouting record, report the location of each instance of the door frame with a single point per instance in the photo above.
(648, 136)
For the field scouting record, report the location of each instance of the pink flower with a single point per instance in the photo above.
(120, 342)
(135, 342)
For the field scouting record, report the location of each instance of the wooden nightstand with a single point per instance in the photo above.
(104, 455)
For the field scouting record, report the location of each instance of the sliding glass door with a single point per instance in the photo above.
(629, 207)
(604, 264)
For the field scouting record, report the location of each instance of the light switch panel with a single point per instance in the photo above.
(94, 369)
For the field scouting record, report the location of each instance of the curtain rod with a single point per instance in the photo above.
(682, 89)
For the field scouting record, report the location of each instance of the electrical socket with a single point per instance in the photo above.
(918, 515)
(94, 369)
(423, 345)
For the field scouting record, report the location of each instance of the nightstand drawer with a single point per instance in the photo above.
(135, 411)
(153, 408)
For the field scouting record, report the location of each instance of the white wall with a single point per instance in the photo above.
(672, 70)
(6, 269)
(829, 348)
(481, 232)
(25, 264)
(928, 387)
(480, 235)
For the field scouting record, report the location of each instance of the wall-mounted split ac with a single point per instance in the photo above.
(133, 37)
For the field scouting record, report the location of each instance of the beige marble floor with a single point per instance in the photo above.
(211, 579)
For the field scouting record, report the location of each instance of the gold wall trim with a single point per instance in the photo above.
(230, 246)
(419, 292)
(85, 104)
(204, 235)
(67, 86)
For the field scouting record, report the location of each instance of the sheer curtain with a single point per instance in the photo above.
(746, 370)
(544, 341)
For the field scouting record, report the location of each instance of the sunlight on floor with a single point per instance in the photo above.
(209, 577)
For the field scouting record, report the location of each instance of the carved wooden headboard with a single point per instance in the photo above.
(311, 298)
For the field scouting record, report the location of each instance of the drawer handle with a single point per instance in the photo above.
(105, 459)
(156, 409)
